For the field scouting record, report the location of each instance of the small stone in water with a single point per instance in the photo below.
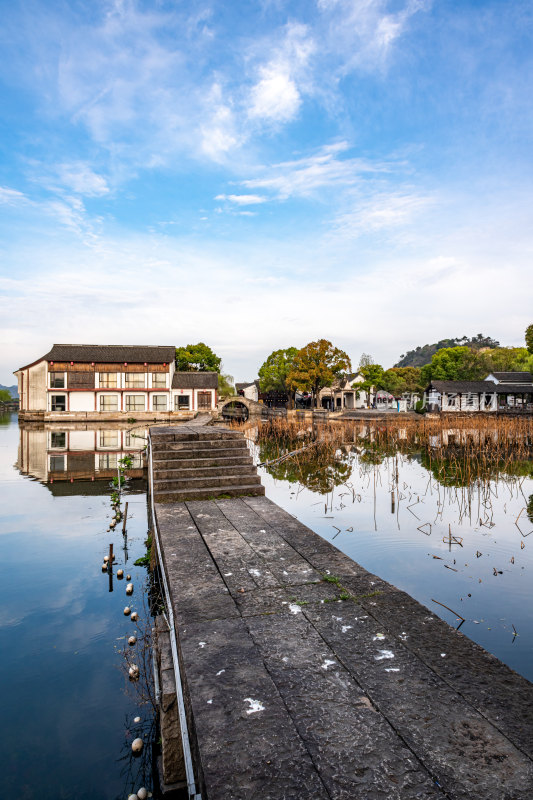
(132, 640)
(127, 612)
(137, 745)
(129, 588)
(133, 797)
(142, 793)
(104, 567)
(135, 616)
(120, 574)
(128, 577)
(106, 558)
(136, 719)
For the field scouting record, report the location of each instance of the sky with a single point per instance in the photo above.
(262, 174)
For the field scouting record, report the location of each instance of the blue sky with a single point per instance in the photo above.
(260, 174)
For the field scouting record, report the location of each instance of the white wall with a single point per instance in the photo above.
(81, 401)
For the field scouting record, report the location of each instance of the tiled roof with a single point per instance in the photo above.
(195, 380)
(480, 386)
(513, 377)
(112, 353)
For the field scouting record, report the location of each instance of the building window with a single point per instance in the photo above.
(57, 380)
(134, 380)
(159, 380)
(181, 402)
(108, 380)
(58, 440)
(57, 463)
(58, 402)
(135, 402)
(108, 438)
(108, 402)
(107, 460)
(159, 402)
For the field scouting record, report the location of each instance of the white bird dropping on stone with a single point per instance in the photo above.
(135, 616)
(127, 611)
(142, 793)
(129, 588)
(137, 745)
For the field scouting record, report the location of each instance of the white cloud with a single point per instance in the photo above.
(381, 212)
(242, 199)
(324, 169)
(81, 179)
(275, 96)
(11, 196)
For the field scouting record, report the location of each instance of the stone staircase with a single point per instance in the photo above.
(201, 462)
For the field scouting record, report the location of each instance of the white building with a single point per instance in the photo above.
(112, 382)
(499, 391)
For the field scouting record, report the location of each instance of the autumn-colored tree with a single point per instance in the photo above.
(317, 365)
(197, 358)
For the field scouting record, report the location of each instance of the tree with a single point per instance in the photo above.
(365, 360)
(226, 386)
(529, 339)
(197, 358)
(317, 365)
(372, 375)
(274, 372)
(506, 359)
(5, 396)
(455, 364)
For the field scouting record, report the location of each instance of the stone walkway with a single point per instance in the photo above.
(308, 677)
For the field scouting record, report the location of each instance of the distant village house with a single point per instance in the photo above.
(511, 391)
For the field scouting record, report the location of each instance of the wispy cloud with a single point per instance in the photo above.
(242, 199)
(325, 168)
(11, 196)
(381, 212)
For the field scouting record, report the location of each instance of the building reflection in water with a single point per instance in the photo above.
(58, 454)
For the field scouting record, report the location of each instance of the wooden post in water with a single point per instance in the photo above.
(125, 518)
(392, 502)
(111, 556)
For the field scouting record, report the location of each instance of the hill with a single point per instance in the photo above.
(13, 390)
(422, 355)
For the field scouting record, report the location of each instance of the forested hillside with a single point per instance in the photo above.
(423, 355)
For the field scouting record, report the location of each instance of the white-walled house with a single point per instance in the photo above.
(249, 390)
(499, 391)
(345, 394)
(112, 382)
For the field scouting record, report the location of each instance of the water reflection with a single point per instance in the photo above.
(61, 631)
(54, 454)
(443, 512)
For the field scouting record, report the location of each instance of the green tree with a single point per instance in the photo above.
(5, 396)
(506, 359)
(372, 374)
(317, 365)
(529, 339)
(226, 387)
(197, 358)
(455, 364)
(274, 372)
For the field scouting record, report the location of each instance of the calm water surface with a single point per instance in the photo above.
(67, 715)
(488, 580)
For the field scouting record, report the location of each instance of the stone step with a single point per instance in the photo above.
(165, 464)
(208, 493)
(202, 482)
(200, 444)
(193, 436)
(203, 453)
(198, 472)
